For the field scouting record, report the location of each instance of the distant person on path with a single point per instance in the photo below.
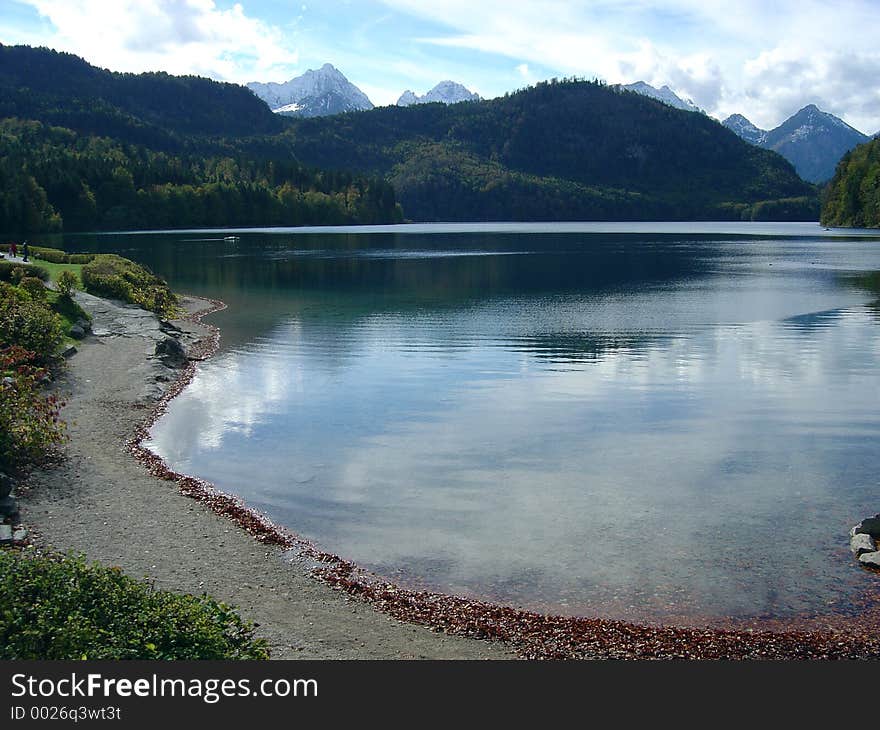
(25, 248)
(13, 249)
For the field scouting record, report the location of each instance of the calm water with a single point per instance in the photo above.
(572, 418)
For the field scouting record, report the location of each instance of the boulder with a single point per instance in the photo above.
(169, 327)
(5, 534)
(8, 508)
(862, 543)
(69, 352)
(6, 485)
(84, 323)
(872, 560)
(870, 526)
(77, 332)
(171, 352)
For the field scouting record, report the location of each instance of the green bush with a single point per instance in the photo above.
(8, 269)
(64, 608)
(52, 255)
(34, 287)
(29, 424)
(67, 282)
(80, 258)
(109, 275)
(28, 323)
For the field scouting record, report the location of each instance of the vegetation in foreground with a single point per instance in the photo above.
(61, 607)
(852, 199)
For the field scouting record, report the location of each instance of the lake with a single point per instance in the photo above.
(642, 421)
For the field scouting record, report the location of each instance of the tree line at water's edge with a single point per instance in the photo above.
(852, 199)
(54, 179)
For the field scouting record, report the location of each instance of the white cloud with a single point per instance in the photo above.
(177, 36)
(762, 59)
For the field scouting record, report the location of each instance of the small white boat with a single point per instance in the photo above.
(231, 239)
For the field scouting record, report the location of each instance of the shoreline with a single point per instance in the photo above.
(530, 635)
(102, 503)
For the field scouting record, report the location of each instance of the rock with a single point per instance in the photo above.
(19, 535)
(872, 560)
(6, 485)
(862, 543)
(5, 534)
(171, 352)
(77, 332)
(9, 382)
(870, 526)
(69, 352)
(8, 508)
(168, 327)
(84, 323)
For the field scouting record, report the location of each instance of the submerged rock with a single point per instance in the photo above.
(872, 560)
(171, 352)
(862, 543)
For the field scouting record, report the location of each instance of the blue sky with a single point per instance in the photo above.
(762, 59)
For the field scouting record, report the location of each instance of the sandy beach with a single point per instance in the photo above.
(101, 502)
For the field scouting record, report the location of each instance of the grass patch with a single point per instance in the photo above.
(61, 607)
(55, 269)
(69, 311)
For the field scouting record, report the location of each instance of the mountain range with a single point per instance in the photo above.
(107, 149)
(316, 93)
(446, 92)
(812, 140)
(563, 150)
(664, 94)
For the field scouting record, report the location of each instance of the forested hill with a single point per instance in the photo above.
(86, 149)
(853, 197)
(155, 109)
(560, 150)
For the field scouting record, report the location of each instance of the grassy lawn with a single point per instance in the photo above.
(55, 269)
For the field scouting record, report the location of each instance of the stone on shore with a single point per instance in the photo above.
(872, 560)
(869, 526)
(5, 534)
(171, 352)
(862, 543)
(6, 485)
(77, 332)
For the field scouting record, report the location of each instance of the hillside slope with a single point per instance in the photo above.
(853, 196)
(155, 109)
(560, 150)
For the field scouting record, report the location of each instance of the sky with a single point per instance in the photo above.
(764, 59)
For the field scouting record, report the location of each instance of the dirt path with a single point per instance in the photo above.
(100, 501)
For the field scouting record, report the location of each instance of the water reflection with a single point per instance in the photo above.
(631, 425)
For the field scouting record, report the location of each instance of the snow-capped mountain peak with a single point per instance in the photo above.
(741, 126)
(664, 94)
(316, 93)
(446, 92)
(812, 140)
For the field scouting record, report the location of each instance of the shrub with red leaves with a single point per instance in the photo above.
(29, 424)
